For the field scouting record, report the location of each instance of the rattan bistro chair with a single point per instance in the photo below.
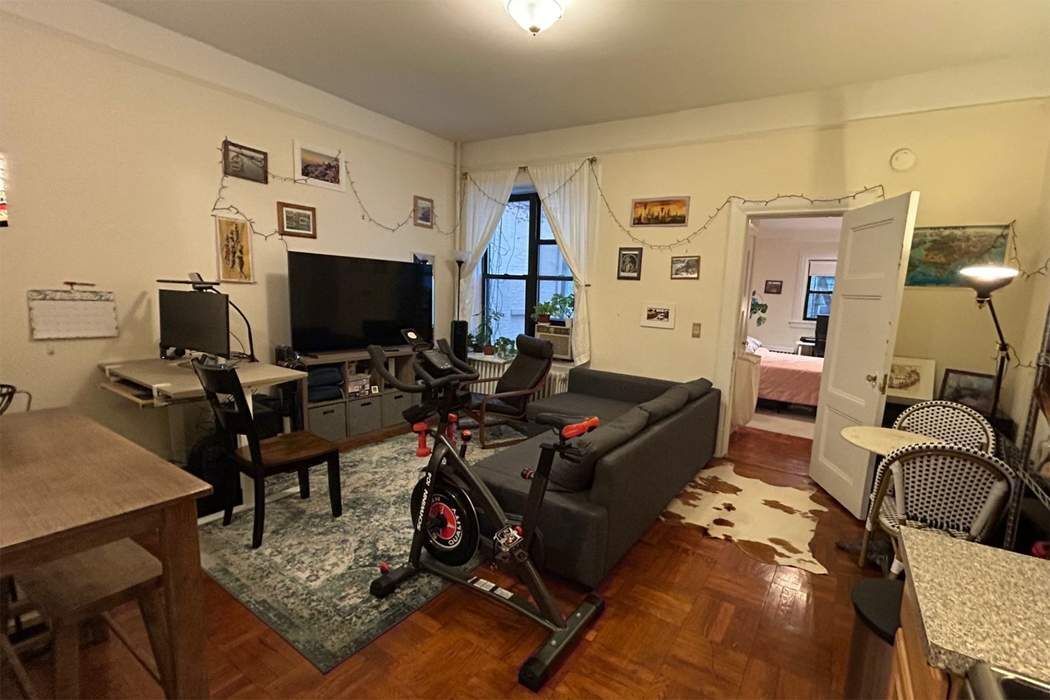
(951, 422)
(959, 490)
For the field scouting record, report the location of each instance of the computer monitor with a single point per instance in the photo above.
(197, 321)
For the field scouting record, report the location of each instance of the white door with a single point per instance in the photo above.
(872, 262)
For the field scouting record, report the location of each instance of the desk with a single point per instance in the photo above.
(68, 484)
(882, 441)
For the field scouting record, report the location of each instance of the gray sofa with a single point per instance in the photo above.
(655, 436)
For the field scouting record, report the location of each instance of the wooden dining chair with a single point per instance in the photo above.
(259, 459)
(88, 584)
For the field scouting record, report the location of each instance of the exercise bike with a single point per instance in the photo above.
(455, 516)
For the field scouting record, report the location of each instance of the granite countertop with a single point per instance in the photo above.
(979, 603)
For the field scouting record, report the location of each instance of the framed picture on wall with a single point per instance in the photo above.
(939, 252)
(629, 264)
(245, 163)
(911, 378)
(296, 220)
(774, 286)
(971, 389)
(658, 314)
(423, 211)
(660, 211)
(319, 166)
(685, 267)
(234, 238)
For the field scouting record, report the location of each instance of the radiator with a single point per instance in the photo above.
(490, 367)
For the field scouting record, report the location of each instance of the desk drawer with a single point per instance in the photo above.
(365, 415)
(329, 420)
(394, 402)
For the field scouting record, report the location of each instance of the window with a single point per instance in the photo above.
(820, 284)
(522, 267)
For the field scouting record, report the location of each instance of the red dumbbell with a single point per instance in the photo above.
(420, 429)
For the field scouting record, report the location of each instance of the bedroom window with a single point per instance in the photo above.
(522, 267)
(820, 284)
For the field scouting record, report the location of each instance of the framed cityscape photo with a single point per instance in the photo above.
(629, 264)
(319, 166)
(296, 220)
(245, 163)
(685, 267)
(660, 211)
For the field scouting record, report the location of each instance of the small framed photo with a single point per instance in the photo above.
(234, 238)
(660, 211)
(375, 389)
(971, 389)
(658, 314)
(629, 264)
(296, 220)
(685, 267)
(774, 286)
(319, 166)
(911, 378)
(423, 211)
(245, 163)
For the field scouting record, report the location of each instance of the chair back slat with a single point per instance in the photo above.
(224, 392)
(951, 422)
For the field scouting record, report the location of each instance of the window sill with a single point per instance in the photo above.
(802, 324)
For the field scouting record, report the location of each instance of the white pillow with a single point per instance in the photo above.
(753, 344)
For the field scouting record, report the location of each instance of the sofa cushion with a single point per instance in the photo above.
(697, 388)
(574, 470)
(574, 404)
(666, 403)
(610, 385)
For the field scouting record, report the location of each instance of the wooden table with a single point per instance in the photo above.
(882, 441)
(68, 484)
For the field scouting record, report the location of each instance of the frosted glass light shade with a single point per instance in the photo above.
(985, 279)
(535, 15)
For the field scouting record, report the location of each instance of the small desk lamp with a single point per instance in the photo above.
(985, 279)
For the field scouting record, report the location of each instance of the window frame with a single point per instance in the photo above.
(808, 290)
(532, 277)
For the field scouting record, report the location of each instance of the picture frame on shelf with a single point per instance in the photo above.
(245, 162)
(319, 166)
(660, 211)
(911, 378)
(658, 314)
(234, 241)
(423, 211)
(629, 264)
(296, 220)
(685, 267)
(973, 389)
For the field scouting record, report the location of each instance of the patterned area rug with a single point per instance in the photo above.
(774, 524)
(309, 579)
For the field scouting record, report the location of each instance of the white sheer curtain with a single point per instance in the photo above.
(481, 213)
(572, 211)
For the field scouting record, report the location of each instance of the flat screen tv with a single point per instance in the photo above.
(341, 303)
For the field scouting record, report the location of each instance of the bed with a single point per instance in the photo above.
(789, 378)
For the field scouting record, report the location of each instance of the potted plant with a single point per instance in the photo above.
(758, 309)
(486, 329)
(562, 307)
(473, 343)
(541, 313)
(505, 347)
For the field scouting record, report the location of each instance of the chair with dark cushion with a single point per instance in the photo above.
(523, 378)
(285, 453)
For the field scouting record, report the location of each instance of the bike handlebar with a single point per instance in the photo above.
(463, 372)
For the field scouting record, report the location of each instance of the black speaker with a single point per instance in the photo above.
(459, 339)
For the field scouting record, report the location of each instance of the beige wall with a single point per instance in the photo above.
(980, 164)
(114, 164)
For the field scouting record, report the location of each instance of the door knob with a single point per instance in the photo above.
(872, 379)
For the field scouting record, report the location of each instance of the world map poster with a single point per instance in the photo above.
(938, 253)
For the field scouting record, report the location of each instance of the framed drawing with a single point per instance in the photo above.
(629, 264)
(971, 389)
(660, 211)
(938, 253)
(296, 220)
(685, 267)
(774, 287)
(423, 211)
(658, 314)
(245, 163)
(234, 238)
(319, 166)
(911, 378)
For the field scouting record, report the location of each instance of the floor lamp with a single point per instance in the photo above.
(985, 279)
(459, 328)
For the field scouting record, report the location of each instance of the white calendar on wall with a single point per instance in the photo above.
(72, 313)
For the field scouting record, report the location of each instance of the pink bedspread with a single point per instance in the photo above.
(789, 378)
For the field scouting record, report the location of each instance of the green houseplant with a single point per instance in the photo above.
(487, 329)
(559, 306)
(505, 347)
(541, 313)
(758, 309)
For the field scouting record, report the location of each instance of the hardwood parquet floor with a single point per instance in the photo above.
(686, 617)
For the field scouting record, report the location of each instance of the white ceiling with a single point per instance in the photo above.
(464, 70)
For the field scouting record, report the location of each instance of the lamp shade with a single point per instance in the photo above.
(985, 279)
(535, 15)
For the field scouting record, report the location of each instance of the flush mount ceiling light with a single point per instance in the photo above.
(535, 15)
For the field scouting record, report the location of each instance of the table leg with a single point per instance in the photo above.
(181, 558)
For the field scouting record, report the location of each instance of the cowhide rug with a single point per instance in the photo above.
(774, 524)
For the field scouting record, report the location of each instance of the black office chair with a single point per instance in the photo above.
(820, 342)
(288, 452)
(523, 378)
